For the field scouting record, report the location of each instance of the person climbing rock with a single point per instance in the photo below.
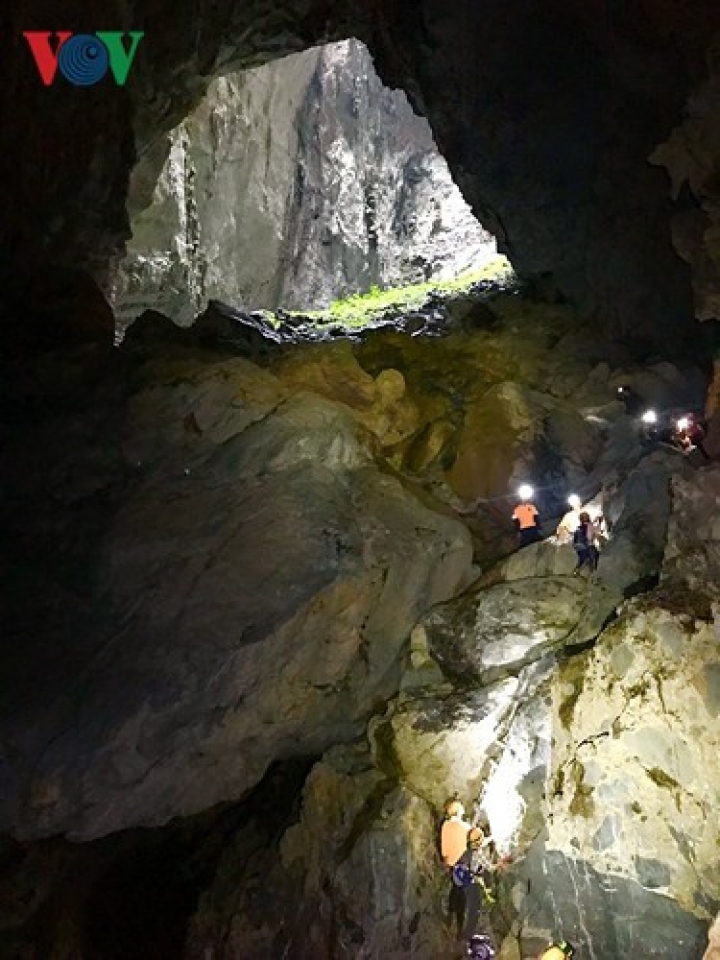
(473, 874)
(559, 950)
(570, 520)
(525, 516)
(585, 544)
(453, 833)
(631, 399)
(453, 844)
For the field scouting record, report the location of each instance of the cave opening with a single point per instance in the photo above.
(303, 186)
(226, 551)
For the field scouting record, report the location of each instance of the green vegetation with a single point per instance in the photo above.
(362, 308)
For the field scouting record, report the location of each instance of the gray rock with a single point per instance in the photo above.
(293, 185)
(500, 629)
(286, 575)
(605, 917)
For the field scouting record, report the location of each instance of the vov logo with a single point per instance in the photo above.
(83, 58)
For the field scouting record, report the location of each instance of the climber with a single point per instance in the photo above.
(474, 873)
(632, 400)
(569, 522)
(657, 428)
(453, 844)
(453, 833)
(525, 517)
(689, 434)
(559, 950)
(585, 540)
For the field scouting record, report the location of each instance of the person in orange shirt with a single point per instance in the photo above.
(525, 516)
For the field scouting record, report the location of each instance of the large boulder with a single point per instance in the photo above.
(498, 630)
(251, 597)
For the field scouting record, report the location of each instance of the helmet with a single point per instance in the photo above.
(480, 948)
(454, 809)
(567, 948)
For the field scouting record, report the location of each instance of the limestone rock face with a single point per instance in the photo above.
(293, 185)
(692, 555)
(286, 572)
(631, 783)
(255, 613)
(505, 626)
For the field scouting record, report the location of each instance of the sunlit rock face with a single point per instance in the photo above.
(293, 185)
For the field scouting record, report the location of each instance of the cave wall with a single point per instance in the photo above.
(292, 185)
(220, 570)
(547, 117)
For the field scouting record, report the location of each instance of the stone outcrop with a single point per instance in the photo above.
(293, 185)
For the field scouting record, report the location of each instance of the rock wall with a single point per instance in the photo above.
(253, 573)
(292, 185)
(690, 156)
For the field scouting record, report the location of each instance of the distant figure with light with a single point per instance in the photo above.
(568, 524)
(631, 399)
(689, 434)
(525, 515)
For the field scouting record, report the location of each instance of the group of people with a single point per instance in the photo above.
(473, 862)
(586, 534)
(686, 432)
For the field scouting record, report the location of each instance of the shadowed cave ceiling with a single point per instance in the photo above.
(547, 114)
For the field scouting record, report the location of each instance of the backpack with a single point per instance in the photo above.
(580, 538)
(462, 875)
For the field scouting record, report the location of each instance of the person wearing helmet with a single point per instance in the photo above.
(585, 539)
(473, 874)
(559, 950)
(631, 400)
(525, 517)
(453, 833)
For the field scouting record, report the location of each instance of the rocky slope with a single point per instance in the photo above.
(293, 185)
(276, 599)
